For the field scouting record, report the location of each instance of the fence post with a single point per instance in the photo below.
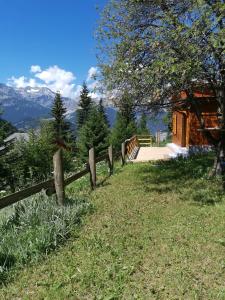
(123, 147)
(110, 156)
(92, 166)
(158, 138)
(59, 176)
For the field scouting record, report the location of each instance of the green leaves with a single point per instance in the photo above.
(174, 42)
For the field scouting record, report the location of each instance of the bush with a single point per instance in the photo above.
(39, 226)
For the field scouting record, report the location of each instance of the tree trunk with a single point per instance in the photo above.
(219, 162)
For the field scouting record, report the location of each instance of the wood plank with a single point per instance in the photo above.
(76, 176)
(144, 140)
(23, 194)
(101, 158)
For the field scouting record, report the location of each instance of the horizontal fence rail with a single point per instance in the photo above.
(58, 183)
(23, 194)
(76, 176)
(145, 140)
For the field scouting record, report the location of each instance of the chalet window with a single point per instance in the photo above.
(175, 124)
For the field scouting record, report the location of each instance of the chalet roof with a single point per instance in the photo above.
(17, 136)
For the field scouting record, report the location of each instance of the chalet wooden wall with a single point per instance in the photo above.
(197, 138)
(186, 128)
(186, 125)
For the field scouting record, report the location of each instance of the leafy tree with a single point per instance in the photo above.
(142, 125)
(159, 48)
(85, 105)
(60, 125)
(94, 133)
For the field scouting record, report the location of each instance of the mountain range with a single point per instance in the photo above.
(24, 107)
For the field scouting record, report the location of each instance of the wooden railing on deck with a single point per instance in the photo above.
(133, 144)
(145, 140)
(132, 147)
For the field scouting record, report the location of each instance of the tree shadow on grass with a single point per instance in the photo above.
(186, 177)
(103, 182)
(7, 261)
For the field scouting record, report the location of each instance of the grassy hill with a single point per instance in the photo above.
(156, 232)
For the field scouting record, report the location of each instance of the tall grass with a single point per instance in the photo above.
(35, 227)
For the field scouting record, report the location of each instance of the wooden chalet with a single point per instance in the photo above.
(187, 131)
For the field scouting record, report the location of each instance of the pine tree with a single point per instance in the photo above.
(101, 110)
(85, 105)
(61, 127)
(94, 133)
(142, 125)
(125, 126)
(6, 128)
(126, 108)
(122, 130)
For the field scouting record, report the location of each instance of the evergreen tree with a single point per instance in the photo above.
(94, 133)
(61, 127)
(85, 105)
(6, 128)
(122, 130)
(126, 108)
(168, 120)
(101, 110)
(125, 125)
(142, 125)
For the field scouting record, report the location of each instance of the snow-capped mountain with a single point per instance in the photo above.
(23, 107)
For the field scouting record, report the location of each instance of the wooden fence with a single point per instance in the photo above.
(58, 183)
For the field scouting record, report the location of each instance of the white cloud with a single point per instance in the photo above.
(57, 79)
(22, 82)
(92, 73)
(54, 78)
(55, 74)
(35, 69)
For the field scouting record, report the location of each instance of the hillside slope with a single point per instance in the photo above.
(157, 232)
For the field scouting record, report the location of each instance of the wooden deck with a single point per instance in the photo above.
(152, 153)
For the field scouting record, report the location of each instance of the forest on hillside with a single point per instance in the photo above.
(25, 161)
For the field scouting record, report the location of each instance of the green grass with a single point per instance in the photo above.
(157, 232)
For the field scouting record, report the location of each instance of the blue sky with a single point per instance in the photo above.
(47, 33)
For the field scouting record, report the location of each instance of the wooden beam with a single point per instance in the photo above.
(123, 152)
(76, 176)
(59, 176)
(92, 165)
(110, 159)
(210, 129)
(23, 194)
